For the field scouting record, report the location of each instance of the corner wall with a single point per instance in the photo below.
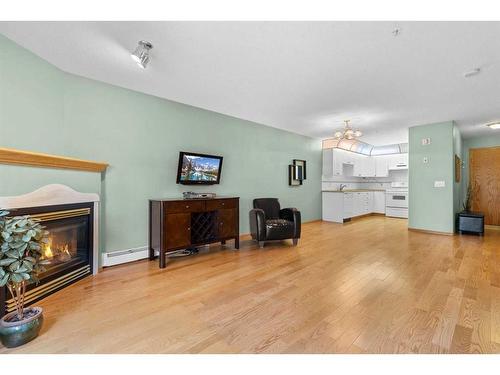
(432, 208)
(46, 110)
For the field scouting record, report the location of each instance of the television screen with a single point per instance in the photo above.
(198, 169)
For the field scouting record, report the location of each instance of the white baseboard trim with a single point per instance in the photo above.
(124, 256)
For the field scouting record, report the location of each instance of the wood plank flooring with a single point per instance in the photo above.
(369, 286)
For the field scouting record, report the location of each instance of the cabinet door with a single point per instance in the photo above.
(338, 163)
(357, 204)
(348, 205)
(226, 223)
(379, 202)
(381, 166)
(369, 169)
(177, 229)
(359, 167)
(328, 162)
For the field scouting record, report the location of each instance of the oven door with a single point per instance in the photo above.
(397, 199)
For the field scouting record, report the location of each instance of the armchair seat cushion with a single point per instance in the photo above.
(279, 229)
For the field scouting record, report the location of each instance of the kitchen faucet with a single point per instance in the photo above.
(342, 186)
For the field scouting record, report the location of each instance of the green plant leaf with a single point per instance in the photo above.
(17, 278)
(6, 261)
(13, 254)
(22, 269)
(14, 266)
(4, 279)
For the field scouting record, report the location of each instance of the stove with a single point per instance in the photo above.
(396, 200)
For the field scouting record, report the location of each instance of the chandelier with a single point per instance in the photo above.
(347, 132)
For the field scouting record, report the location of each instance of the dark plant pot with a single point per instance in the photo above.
(14, 334)
(470, 222)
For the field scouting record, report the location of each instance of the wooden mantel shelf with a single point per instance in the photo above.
(36, 159)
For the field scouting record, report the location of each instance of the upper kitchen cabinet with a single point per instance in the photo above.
(381, 166)
(327, 162)
(364, 166)
(397, 161)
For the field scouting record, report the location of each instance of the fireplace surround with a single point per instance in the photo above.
(72, 221)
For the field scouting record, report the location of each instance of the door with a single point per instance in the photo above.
(177, 230)
(227, 223)
(484, 172)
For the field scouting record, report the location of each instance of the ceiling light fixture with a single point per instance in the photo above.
(141, 54)
(471, 73)
(347, 132)
(494, 125)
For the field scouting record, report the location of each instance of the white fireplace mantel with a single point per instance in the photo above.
(55, 194)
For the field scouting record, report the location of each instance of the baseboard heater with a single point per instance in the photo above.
(124, 256)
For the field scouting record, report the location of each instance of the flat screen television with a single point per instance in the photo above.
(198, 169)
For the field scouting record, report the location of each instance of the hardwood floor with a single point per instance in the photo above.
(369, 286)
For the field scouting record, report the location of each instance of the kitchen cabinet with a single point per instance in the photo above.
(397, 161)
(379, 202)
(364, 166)
(338, 206)
(338, 162)
(327, 163)
(381, 166)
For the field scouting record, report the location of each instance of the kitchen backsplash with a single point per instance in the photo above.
(365, 182)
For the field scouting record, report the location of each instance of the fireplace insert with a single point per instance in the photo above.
(69, 250)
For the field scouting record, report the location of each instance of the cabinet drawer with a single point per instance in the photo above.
(187, 206)
(218, 204)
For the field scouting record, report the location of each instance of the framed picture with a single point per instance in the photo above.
(302, 164)
(458, 169)
(292, 173)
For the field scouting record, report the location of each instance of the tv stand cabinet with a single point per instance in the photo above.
(176, 224)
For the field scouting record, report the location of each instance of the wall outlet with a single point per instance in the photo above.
(425, 159)
(439, 184)
(426, 141)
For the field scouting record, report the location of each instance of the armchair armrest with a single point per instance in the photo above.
(257, 224)
(292, 214)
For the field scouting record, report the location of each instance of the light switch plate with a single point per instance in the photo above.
(426, 141)
(439, 184)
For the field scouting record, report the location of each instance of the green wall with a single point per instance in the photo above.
(140, 136)
(457, 186)
(492, 140)
(432, 208)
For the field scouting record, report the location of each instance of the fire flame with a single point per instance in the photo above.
(48, 253)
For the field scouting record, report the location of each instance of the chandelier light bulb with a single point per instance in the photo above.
(141, 54)
(348, 132)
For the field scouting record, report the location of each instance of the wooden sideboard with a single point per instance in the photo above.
(176, 224)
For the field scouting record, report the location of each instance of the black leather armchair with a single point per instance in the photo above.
(269, 222)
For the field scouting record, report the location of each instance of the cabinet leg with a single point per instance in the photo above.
(223, 242)
(261, 244)
(295, 241)
(237, 243)
(163, 262)
(151, 254)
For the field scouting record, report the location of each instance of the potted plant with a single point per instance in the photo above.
(468, 221)
(21, 241)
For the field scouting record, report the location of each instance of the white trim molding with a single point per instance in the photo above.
(55, 194)
(114, 258)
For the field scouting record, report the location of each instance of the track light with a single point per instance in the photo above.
(141, 54)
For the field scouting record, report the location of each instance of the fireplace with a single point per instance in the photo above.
(72, 246)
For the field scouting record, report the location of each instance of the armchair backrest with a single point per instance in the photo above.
(271, 207)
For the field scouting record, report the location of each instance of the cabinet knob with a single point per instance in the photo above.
(223, 203)
(189, 228)
(187, 206)
(221, 223)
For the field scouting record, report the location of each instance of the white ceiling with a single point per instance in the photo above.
(305, 77)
